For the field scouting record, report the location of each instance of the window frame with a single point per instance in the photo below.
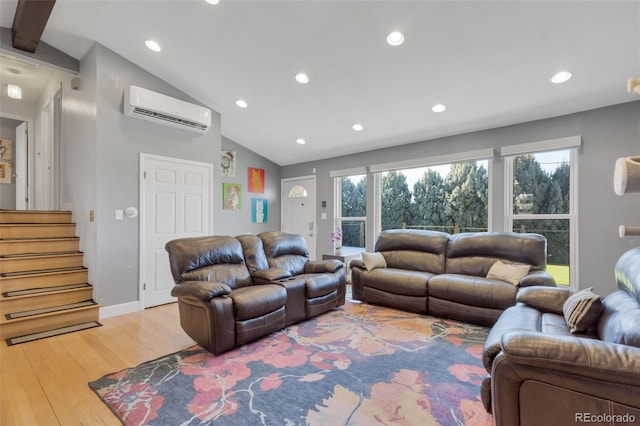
(339, 219)
(564, 144)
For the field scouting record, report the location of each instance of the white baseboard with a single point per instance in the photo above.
(115, 310)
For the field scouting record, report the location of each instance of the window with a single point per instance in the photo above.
(351, 206)
(450, 197)
(540, 199)
(298, 192)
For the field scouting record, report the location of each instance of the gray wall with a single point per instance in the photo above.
(101, 148)
(235, 222)
(607, 133)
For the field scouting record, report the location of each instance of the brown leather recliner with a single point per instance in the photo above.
(233, 290)
(313, 286)
(220, 306)
(541, 374)
(446, 275)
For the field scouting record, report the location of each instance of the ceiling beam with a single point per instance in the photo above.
(28, 23)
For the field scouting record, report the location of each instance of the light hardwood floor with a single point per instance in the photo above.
(45, 382)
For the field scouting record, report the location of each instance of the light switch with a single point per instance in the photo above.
(119, 214)
(323, 216)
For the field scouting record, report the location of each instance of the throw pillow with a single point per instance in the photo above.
(582, 309)
(373, 260)
(509, 272)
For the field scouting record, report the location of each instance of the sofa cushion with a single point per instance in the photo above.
(204, 258)
(320, 284)
(475, 253)
(234, 275)
(509, 272)
(398, 281)
(582, 309)
(546, 299)
(413, 249)
(257, 300)
(473, 291)
(619, 319)
(373, 260)
(285, 251)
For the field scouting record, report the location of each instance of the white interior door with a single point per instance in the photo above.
(176, 203)
(299, 209)
(21, 166)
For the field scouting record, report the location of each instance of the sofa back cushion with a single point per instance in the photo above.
(475, 253)
(413, 249)
(214, 258)
(285, 251)
(620, 318)
(253, 250)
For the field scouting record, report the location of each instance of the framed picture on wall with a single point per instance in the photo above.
(231, 196)
(228, 163)
(5, 172)
(259, 210)
(256, 180)
(5, 149)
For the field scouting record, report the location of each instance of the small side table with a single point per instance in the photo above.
(346, 255)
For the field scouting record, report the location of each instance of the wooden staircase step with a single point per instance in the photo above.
(25, 300)
(51, 333)
(39, 262)
(43, 283)
(39, 245)
(43, 279)
(34, 216)
(60, 316)
(46, 230)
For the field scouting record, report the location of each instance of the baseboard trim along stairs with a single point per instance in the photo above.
(43, 284)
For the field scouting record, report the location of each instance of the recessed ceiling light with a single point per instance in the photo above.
(153, 45)
(212, 1)
(242, 103)
(302, 78)
(395, 38)
(357, 127)
(300, 141)
(438, 108)
(561, 77)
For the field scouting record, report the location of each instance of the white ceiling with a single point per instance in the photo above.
(489, 62)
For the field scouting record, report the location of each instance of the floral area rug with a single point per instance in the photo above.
(356, 365)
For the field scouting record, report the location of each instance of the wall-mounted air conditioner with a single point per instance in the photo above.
(153, 106)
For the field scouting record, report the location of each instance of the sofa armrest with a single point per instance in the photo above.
(357, 263)
(271, 274)
(585, 357)
(321, 266)
(200, 290)
(546, 299)
(538, 278)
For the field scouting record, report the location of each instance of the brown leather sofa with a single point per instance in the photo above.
(541, 374)
(232, 290)
(446, 275)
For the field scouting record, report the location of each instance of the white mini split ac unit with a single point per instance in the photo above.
(153, 106)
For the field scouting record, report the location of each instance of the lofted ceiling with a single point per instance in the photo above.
(489, 62)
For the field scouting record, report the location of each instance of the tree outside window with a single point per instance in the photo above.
(451, 198)
(352, 210)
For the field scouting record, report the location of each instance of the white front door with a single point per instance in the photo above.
(299, 209)
(175, 203)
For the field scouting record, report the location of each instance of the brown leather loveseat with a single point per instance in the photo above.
(543, 374)
(232, 290)
(447, 275)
